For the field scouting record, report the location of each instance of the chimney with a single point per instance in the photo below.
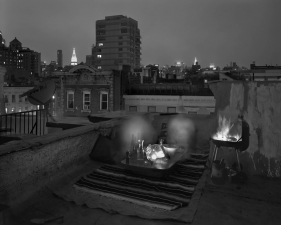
(154, 77)
(141, 75)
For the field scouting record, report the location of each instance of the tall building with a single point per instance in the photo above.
(89, 60)
(17, 59)
(73, 58)
(59, 58)
(117, 43)
(2, 40)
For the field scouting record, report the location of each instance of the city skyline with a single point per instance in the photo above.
(213, 32)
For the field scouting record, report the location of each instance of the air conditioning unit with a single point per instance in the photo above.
(86, 107)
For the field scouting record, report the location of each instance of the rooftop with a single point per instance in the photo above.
(34, 170)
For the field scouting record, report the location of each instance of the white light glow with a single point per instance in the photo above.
(73, 58)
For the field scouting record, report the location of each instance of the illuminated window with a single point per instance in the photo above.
(99, 67)
(100, 44)
(70, 99)
(99, 56)
(86, 100)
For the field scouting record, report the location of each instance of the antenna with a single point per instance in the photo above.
(41, 94)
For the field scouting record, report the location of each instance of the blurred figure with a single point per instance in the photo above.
(181, 131)
(139, 127)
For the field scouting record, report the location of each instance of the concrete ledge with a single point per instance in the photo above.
(48, 138)
(27, 166)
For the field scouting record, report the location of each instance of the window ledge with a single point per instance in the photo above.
(85, 110)
(69, 110)
(103, 111)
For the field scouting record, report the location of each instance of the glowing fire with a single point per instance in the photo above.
(223, 133)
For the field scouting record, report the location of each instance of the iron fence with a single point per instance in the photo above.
(27, 122)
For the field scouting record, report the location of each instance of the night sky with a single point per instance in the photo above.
(214, 31)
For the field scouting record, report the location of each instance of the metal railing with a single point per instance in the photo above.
(27, 122)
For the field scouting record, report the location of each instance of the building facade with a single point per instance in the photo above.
(170, 104)
(84, 90)
(59, 58)
(89, 60)
(16, 59)
(265, 73)
(117, 43)
(14, 103)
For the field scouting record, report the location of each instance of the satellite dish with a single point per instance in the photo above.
(41, 94)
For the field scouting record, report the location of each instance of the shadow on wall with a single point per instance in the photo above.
(260, 103)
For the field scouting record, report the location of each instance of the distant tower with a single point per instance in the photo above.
(59, 58)
(73, 58)
(195, 61)
(2, 40)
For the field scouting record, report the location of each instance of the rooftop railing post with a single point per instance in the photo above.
(36, 113)
(11, 123)
(44, 114)
(24, 122)
(20, 124)
(32, 122)
(40, 121)
(15, 123)
(28, 122)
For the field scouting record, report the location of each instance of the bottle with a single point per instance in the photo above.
(127, 157)
(140, 150)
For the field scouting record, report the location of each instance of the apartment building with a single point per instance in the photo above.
(117, 43)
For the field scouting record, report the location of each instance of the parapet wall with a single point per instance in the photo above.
(28, 166)
(260, 103)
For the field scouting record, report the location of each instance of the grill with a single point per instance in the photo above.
(239, 145)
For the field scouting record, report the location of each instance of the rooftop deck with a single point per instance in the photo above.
(32, 169)
(257, 202)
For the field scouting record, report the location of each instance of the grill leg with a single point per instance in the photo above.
(238, 161)
(215, 153)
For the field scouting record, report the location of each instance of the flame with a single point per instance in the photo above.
(223, 133)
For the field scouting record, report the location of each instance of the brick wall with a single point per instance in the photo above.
(28, 166)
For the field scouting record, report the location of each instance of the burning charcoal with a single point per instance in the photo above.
(232, 139)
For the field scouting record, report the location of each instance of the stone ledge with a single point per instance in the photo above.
(49, 138)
